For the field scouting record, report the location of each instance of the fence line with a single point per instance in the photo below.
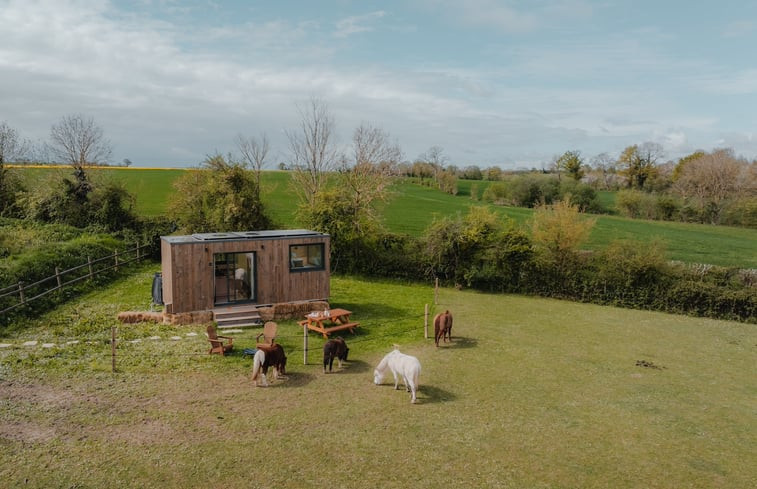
(20, 289)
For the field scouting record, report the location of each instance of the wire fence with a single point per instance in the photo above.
(119, 350)
(25, 293)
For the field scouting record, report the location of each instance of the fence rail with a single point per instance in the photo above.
(22, 291)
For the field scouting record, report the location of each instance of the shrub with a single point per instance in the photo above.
(631, 274)
(496, 193)
(40, 263)
(477, 250)
(580, 194)
(531, 190)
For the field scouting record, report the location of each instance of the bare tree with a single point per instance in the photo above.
(254, 153)
(312, 147)
(604, 164)
(79, 141)
(369, 175)
(712, 179)
(12, 148)
(435, 157)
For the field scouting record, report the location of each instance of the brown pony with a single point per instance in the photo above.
(268, 356)
(443, 327)
(334, 348)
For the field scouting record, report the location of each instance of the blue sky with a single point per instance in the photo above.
(507, 83)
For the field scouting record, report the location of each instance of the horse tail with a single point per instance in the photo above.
(257, 362)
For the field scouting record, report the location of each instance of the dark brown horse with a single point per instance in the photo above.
(334, 348)
(443, 327)
(268, 356)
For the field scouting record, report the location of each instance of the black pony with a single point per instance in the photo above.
(334, 348)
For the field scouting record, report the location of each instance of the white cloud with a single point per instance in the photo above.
(742, 82)
(739, 29)
(356, 24)
(486, 13)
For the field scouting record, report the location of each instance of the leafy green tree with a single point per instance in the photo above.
(493, 173)
(639, 163)
(532, 189)
(220, 196)
(581, 194)
(571, 162)
(472, 172)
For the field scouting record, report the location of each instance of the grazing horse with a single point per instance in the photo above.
(268, 356)
(334, 348)
(443, 327)
(400, 364)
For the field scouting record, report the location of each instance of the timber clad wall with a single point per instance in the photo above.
(189, 275)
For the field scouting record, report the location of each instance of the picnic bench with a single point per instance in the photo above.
(329, 321)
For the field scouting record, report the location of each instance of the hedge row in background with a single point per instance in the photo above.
(626, 274)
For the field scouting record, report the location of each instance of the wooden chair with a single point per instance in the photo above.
(268, 334)
(217, 344)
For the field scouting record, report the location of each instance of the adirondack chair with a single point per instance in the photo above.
(268, 335)
(217, 344)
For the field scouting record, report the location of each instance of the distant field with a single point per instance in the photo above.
(413, 207)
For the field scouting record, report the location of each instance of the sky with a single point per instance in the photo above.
(505, 83)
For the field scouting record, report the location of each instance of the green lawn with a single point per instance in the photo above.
(530, 393)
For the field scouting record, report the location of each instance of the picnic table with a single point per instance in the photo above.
(329, 321)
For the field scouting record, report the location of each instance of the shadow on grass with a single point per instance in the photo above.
(428, 394)
(460, 342)
(295, 379)
(353, 367)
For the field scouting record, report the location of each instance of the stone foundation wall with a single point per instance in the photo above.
(284, 310)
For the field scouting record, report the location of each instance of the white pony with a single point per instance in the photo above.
(405, 365)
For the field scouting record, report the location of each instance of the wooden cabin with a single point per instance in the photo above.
(204, 272)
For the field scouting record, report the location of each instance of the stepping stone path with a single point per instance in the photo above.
(137, 340)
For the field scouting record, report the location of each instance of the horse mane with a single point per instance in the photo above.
(257, 363)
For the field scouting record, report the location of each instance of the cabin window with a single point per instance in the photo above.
(306, 257)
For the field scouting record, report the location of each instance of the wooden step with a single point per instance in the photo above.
(236, 317)
(239, 323)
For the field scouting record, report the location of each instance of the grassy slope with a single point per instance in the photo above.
(531, 393)
(413, 207)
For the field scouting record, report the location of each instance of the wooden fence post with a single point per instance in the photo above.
(21, 291)
(425, 322)
(89, 263)
(115, 254)
(113, 348)
(305, 344)
(57, 277)
(137, 250)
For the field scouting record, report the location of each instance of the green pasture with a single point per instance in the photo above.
(413, 207)
(530, 393)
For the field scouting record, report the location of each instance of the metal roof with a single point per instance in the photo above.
(243, 235)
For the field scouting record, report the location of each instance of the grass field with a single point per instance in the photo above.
(413, 207)
(531, 393)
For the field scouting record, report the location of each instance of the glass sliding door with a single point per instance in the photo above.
(234, 275)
